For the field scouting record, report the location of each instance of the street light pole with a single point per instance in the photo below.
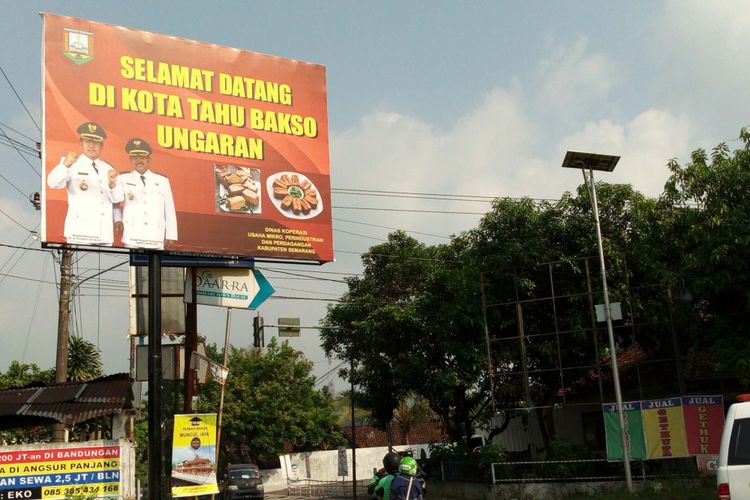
(604, 163)
(610, 332)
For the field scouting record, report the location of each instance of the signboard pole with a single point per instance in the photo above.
(354, 430)
(155, 441)
(191, 344)
(221, 398)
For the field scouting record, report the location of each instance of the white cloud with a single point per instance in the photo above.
(481, 154)
(571, 80)
(17, 214)
(700, 53)
(645, 144)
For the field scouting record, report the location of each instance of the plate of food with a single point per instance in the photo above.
(237, 189)
(294, 195)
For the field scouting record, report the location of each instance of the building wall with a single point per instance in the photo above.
(324, 465)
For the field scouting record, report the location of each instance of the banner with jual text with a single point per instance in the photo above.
(704, 422)
(664, 426)
(158, 142)
(671, 427)
(633, 431)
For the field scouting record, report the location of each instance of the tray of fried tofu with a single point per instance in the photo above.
(238, 189)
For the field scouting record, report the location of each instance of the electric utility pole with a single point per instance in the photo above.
(63, 325)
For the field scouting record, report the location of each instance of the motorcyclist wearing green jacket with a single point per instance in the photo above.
(380, 484)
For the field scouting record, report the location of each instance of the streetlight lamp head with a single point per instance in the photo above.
(591, 161)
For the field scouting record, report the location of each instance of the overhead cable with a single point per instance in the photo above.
(20, 100)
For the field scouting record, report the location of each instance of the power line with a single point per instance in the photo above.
(436, 196)
(27, 279)
(33, 311)
(18, 132)
(19, 152)
(305, 276)
(409, 210)
(26, 196)
(335, 219)
(13, 255)
(314, 272)
(14, 220)
(283, 297)
(307, 291)
(21, 100)
(360, 235)
(329, 372)
(399, 256)
(7, 141)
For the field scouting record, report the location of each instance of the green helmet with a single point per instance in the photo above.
(408, 466)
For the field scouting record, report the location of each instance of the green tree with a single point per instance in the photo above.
(342, 403)
(21, 375)
(677, 263)
(270, 402)
(376, 325)
(84, 359)
(710, 194)
(412, 410)
(411, 327)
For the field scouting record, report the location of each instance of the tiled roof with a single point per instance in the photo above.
(368, 436)
(626, 360)
(68, 402)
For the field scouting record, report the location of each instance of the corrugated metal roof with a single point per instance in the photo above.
(68, 402)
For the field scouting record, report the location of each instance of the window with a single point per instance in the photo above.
(739, 447)
(593, 430)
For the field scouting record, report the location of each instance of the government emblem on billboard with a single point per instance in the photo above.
(78, 46)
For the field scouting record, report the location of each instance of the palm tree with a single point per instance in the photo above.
(84, 360)
(412, 410)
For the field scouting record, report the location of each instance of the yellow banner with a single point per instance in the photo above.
(194, 455)
(664, 427)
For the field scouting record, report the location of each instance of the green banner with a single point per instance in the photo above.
(633, 431)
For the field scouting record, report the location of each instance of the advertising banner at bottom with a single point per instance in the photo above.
(194, 455)
(61, 470)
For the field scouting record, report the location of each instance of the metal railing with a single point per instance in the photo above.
(306, 487)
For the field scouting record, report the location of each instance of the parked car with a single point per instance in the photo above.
(242, 481)
(733, 473)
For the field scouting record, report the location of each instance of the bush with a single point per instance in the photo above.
(478, 461)
(562, 450)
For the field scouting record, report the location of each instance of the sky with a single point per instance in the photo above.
(475, 98)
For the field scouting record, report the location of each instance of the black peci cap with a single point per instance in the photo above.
(138, 147)
(92, 132)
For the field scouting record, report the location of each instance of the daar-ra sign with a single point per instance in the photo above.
(158, 142)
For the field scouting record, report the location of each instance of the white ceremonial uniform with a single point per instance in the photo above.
(89, 219)
(148, 215)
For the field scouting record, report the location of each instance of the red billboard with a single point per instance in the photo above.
(158, 142)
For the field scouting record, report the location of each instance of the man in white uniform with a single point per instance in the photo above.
(92, 189)
(148, 216)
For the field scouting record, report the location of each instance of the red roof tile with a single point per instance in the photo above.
(369, 436)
